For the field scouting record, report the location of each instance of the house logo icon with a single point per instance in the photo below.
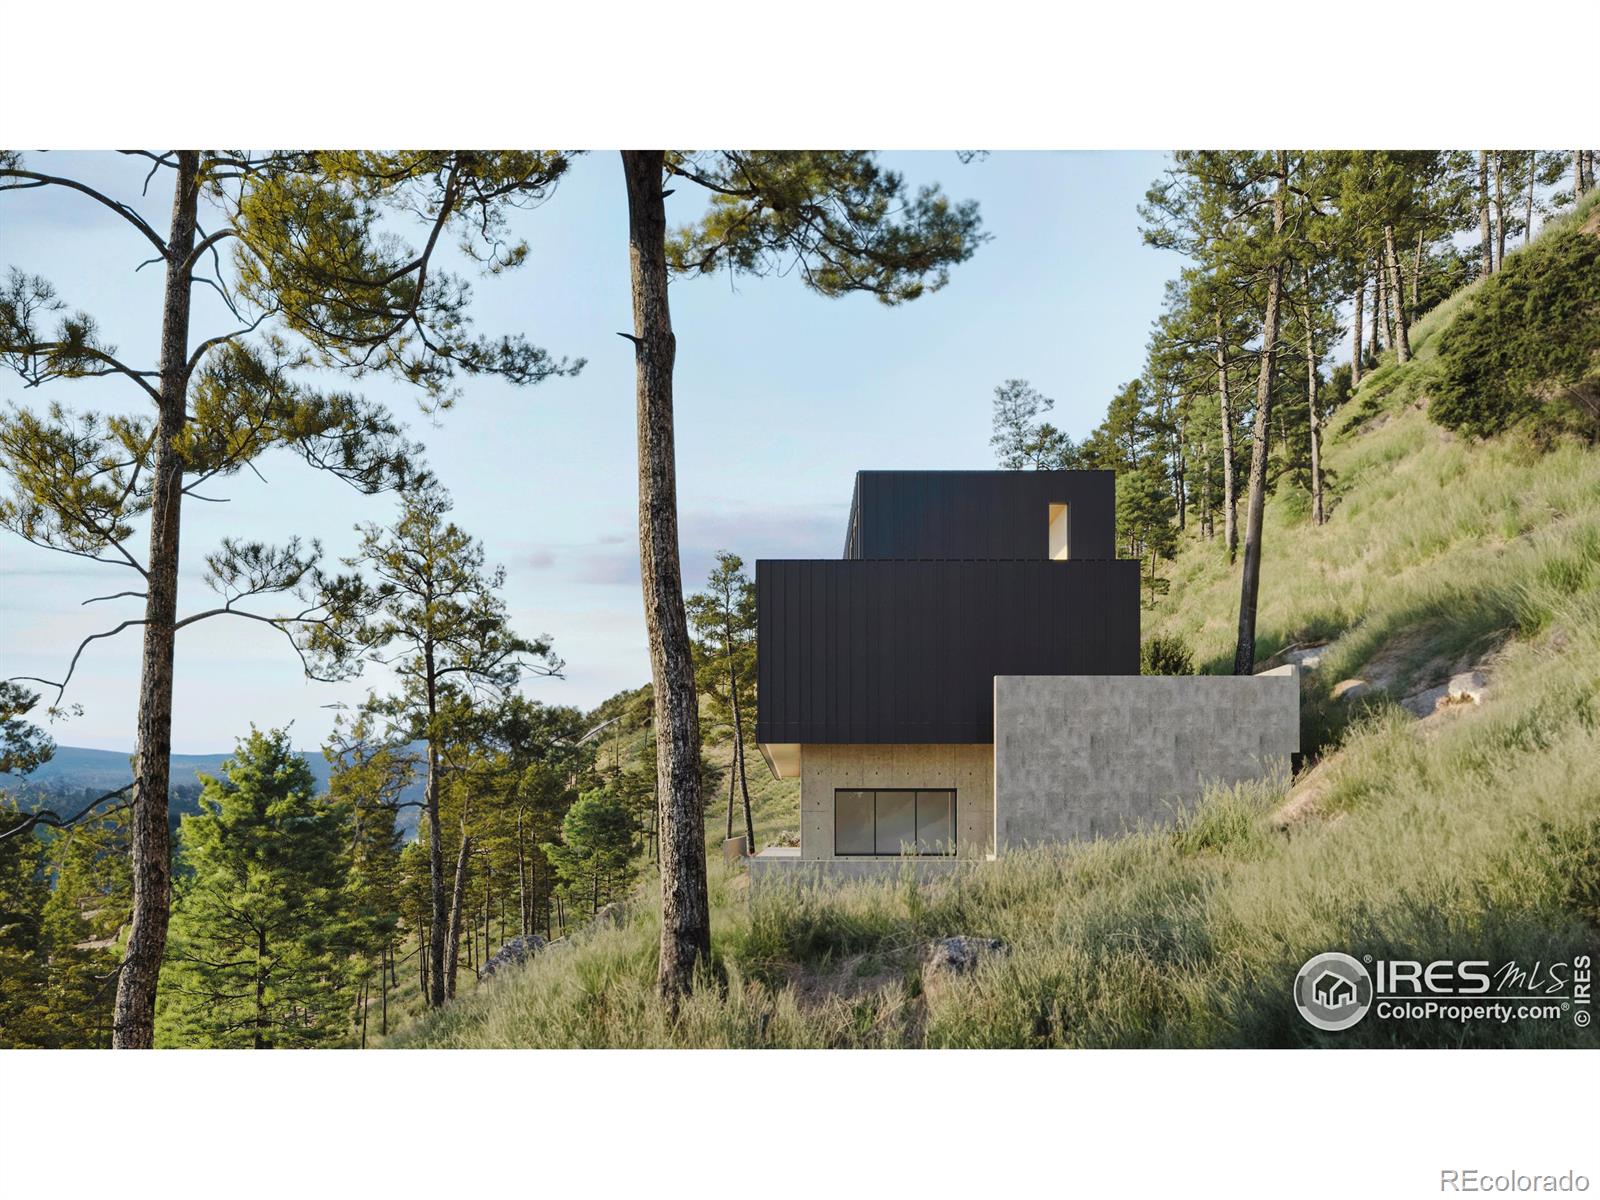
(1333, 991)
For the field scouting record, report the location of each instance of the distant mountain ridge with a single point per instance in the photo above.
(76, 769)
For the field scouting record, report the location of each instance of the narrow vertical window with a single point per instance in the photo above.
(1059, 548)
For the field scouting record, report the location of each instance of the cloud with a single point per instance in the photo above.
(619, 567)
(786, 531)
(612, 560)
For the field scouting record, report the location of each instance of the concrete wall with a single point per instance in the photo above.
(1085, 756)
(968, 768)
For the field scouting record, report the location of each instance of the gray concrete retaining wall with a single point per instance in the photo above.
(1086, 756)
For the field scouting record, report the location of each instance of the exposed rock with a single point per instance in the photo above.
(1467, 688)
(945, 958)
(1305, 655)
(1305, 798)
(610, 915)
(518, 950)
(1422, 704)
(1351, 689)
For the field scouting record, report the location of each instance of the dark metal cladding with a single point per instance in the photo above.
(885, 650)
(979, 514)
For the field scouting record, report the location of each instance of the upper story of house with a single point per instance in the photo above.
(948, 579)
(991, 515)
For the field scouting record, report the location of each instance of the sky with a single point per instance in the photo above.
(781, 395)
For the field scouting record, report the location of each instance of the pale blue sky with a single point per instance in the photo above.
(781, 396)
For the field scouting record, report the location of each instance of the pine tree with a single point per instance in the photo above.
(434, 616)
(367, 778)
(1020, 439)
(594, 858)
(25, 1017)
(849, 226)
(261, 929)
(85, 920)
(1145, 521)
(724, 617)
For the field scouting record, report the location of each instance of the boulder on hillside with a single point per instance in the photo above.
(518, 950)
(1422, 704)
(946, 958)
(1307, 656)
(1351, 689)
(1467, 688)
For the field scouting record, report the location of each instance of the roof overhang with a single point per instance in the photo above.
(783, 758)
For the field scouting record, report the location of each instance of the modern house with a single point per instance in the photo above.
(965, 678)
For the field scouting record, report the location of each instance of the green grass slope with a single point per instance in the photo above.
(1474, 833)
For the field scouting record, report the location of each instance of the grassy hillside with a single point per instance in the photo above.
(1472, 833)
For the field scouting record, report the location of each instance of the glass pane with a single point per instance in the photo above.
(936, 827)
(1059, 547)
(852, 823)
(897, 821)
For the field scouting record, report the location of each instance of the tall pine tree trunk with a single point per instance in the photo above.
(1355, 334)
(1178, 481)
(1499, 213)
(685, 913)
(1577, 173)
(1527, 228)
(1397, 300)
(488, 896)
(1244, 653)
(1416, 275)
(259, 1042)
(744, 779)
(733, 759)
(524, 915)
(1311, 408)
(1230, 490)
(457, 902)
(1377, 306)
(1386, 311)
(1486, 242)
(134, 1012)
(437, 936)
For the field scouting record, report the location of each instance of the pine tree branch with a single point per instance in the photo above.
(61, 687)
(55, 820)
(122, 210)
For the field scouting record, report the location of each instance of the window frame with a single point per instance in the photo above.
(916, 839)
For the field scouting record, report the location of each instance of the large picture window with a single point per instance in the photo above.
(894, 821)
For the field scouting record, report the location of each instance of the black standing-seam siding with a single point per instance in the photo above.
(883, 651)
(978, 514)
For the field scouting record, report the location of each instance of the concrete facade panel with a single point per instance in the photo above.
(967, 768)
(1086, 756)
